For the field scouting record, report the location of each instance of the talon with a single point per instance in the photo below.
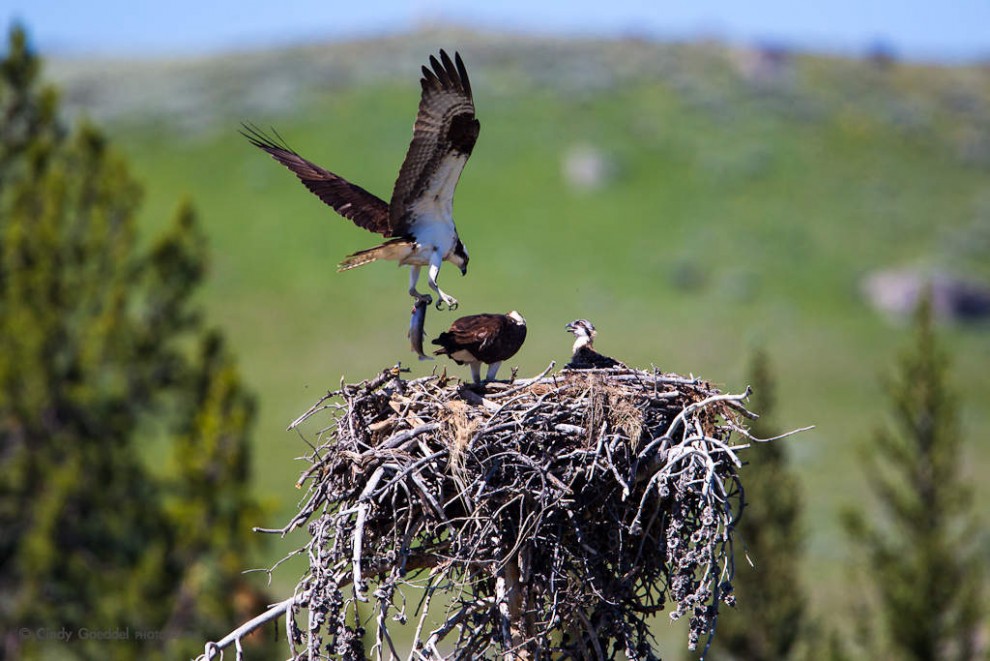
(449, 301)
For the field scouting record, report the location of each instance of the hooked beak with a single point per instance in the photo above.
(464, 270)
(569, 327)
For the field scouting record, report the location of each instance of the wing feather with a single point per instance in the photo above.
(472, 333)
(488, 337)
(349, 200)
(446, 129)
(474, 329)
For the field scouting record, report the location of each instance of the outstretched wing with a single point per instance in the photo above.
(443, 138)
(352, 202)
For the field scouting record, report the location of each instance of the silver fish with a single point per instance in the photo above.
(416, 323)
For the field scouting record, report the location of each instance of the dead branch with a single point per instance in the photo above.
(558, 514)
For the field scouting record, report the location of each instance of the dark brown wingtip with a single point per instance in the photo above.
(441, 71)
(446, 73)
(254, 135)
(462, 73)
(262, 140)
(448, 67)
(429, 80)
(453, 72)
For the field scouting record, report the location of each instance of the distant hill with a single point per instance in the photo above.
(917, 100)
(746, 193)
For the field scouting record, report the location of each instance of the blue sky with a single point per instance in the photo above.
(940, 30)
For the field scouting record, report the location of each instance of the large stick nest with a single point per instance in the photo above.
(552, 516)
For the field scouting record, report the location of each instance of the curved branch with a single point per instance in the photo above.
(213, 650)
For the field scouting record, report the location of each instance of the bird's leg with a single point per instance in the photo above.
(476, 373)
(492, 371)
(435, 260)
(413, 279)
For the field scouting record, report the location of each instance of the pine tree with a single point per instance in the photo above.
(919, 549)
(101, 349)
(28, 130)
(770, 601)
(209, 499)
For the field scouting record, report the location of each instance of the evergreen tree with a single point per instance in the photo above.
(770, 610)
(919, 552)
(101, 350)
(28, 130)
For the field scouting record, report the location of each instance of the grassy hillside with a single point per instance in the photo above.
(748, 198)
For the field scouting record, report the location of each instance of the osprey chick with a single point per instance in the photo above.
(418, 221)
(584, 356)
(483, 338)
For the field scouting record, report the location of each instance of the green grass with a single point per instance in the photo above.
(774, 202)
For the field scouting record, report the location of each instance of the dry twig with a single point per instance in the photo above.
(558, 514)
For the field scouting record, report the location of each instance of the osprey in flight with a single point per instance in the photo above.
(483, 338)
(584, 355)
(418, 221)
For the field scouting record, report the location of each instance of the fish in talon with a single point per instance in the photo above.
(417, 321)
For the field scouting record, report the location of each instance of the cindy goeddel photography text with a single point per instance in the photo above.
(67, 635)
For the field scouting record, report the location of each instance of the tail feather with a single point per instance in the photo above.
(396, 250)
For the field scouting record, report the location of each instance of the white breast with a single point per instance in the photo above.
(581, 342)
(432, 219)
(434, 232)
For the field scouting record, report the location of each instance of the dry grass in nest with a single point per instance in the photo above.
(556, 515)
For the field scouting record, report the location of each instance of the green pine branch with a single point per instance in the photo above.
(919, 548)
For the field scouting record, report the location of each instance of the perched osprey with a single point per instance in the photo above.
(483, 338)
(584, 355)
(418, 221)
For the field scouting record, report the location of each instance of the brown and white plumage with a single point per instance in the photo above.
(583, 354)
(483, 338)
(418, 220)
